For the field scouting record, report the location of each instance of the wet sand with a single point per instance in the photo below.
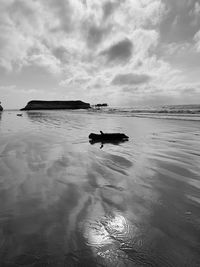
(65, 202)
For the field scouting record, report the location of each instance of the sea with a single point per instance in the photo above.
(180, 112)
(65, 201)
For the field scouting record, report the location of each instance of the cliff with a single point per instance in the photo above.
(40, 104)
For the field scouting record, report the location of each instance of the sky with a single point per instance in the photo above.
(122, 52)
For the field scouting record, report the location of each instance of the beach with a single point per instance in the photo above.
(66, 202)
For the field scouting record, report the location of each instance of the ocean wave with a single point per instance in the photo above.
(180, 112)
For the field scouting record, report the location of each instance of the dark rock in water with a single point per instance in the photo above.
(40, 104)
(101, 105)
(1, 108)
(20, 114)
(113, 138)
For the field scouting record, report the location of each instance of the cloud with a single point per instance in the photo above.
(47, 61)
(108, 8)
(62, 12)
(181, 21)
(197, 41)
(120, 51)
(130, 78)
(95, 35)
(20, 26)
(188, 89)
(86, 44)
(131, 90)
(64, 32)
(8, 87)
(144, 41)
(195, 9)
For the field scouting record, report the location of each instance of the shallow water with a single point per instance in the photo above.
(65, 202)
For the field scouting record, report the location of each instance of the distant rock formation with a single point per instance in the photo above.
(40, 104)
(101, 105)
(1, 108)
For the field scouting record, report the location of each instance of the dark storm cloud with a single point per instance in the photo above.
(109, 8)
(120, 51)
(130, 78)
(95, 35)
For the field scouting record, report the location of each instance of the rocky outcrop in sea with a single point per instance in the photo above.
(101, 105)
(40, 104)
(1, 108)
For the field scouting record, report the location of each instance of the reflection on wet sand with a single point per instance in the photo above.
(66, 203)
(44, 118)
(42, 196)
(92, 142)
(108, 237)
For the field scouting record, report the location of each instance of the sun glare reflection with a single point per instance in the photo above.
(116, 224)
(106, 235)
(96, 235)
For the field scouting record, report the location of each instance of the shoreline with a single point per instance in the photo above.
(106, 112)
